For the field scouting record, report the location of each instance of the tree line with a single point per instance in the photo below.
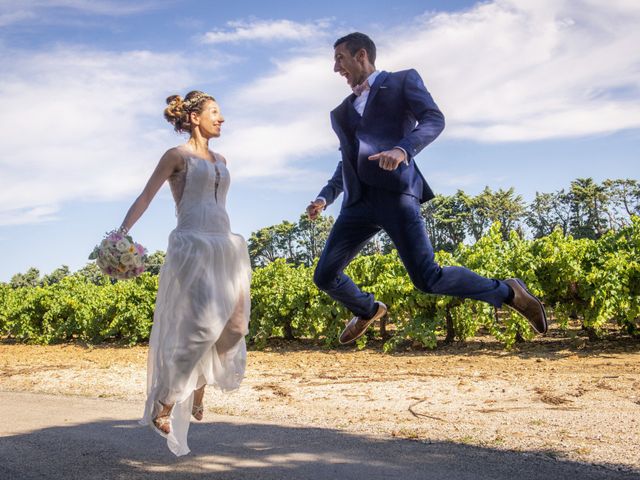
(594, 284)
(586, 210)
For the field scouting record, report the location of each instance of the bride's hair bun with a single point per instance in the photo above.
(174, 112)
(178, 110)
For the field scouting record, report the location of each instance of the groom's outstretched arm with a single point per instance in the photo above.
(328, 194)
(334, 187)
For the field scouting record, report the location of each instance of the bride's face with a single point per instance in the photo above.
(210, 120)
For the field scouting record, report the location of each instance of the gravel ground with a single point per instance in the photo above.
(574, 400)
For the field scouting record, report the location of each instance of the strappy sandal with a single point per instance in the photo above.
(162, 422)
(198, 412)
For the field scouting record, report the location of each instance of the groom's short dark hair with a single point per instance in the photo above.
(355, 41)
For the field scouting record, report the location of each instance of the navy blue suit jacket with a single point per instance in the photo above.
(399, 113)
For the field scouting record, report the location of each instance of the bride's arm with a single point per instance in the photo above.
(168, 164)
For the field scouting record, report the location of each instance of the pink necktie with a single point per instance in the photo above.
(360, 89)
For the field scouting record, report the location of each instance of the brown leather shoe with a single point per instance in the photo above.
(358, 325)
(527, 305)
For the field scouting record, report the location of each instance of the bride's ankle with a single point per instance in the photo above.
(198, 394)
(165, 408)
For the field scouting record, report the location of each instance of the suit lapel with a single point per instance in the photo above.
(380, 79)
(342, 114)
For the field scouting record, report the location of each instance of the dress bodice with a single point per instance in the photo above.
(200, 192)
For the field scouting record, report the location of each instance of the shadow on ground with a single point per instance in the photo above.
(556, 345)
(230, 450)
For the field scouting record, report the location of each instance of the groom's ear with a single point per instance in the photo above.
(362, 57)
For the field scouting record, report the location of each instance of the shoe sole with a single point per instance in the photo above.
(361, 333)
(544, 314)
(158, 431)
(195, 413)
(375, 317)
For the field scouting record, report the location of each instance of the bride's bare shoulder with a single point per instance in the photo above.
(173, 152)
(220, 157)
(174, 158)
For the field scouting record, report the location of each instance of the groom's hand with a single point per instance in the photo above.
(315, 207)
(389, 159)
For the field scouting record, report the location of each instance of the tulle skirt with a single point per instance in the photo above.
(199, 325)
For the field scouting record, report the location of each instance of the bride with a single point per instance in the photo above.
(202, 308)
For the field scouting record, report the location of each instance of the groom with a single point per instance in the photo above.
(382, 126)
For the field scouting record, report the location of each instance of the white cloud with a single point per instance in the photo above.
(267, 31)
(512, 70)
(283, 118)
(501, 71)
(454, 181)
(14, 16)
(99, 7)
(86, 124)
(28, 9)
(28, 215)
(80, 124)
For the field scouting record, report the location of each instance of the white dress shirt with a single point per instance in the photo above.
(360, 102)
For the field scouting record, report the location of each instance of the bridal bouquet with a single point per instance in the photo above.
(119, 256)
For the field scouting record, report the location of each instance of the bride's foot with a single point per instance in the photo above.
(198, 408)
(198, 412)
(162, 421)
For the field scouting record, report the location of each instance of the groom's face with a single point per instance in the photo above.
(349, 66)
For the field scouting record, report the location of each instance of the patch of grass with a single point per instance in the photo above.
(408, 433)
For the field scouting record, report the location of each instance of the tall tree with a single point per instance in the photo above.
(446, 220)
(154, 262)
(92, 273)
(284, 240)
(589, 208)
(55, 276)
(478, 213)
(380, 243)
(31, 278)
(624, 199)
(263, 246)
(311, 236)
(548, 211)
(507, 208)
(428, 210)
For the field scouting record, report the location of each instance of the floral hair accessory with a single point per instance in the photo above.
(196, 99)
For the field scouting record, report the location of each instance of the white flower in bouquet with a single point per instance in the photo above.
(123, 245)
(137, 261)
(127, 259)
(102, 263)
(118, 256)
(110, 259)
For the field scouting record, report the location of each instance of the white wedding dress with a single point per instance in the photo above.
(202, 307)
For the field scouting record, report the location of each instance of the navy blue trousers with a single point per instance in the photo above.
(398, 215)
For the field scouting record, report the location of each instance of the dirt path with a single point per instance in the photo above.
(579, 402)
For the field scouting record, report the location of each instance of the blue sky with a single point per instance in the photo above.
(536, 93)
